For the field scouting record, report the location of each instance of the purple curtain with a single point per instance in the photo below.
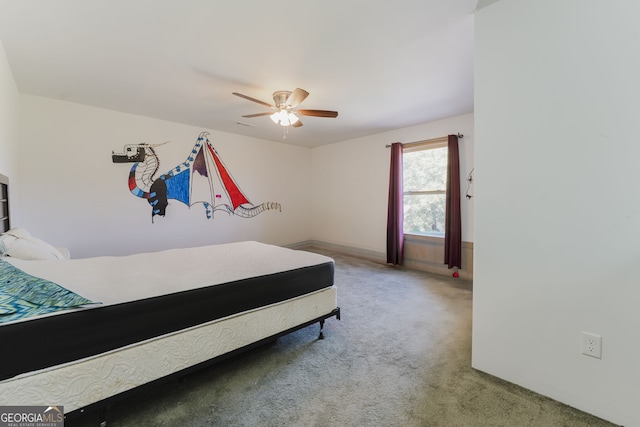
(453, 222)
(395, 212)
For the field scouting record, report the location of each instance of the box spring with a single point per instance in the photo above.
(109, 376)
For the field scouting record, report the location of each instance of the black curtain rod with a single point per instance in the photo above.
(460, 136)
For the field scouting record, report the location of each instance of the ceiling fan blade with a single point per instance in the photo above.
(296, 97)
(297, 124)
(318, 113)
(258, 114)
(253, 99)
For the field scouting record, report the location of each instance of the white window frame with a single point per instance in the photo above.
(423, 146)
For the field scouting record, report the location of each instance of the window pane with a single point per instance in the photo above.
(424, 214)
(425, 170)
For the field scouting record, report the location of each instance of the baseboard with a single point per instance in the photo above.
(426, 253)
(420, 253)
(341, 249)
(306, 244)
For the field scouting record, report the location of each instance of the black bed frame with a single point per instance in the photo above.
(4, 204)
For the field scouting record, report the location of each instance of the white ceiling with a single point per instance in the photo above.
(381, 65)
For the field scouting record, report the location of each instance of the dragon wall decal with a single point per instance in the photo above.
(179, 182)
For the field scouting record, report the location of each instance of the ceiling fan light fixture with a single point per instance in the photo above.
(292, 118)
(284, 118)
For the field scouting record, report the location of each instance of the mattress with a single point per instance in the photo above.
(150, 295)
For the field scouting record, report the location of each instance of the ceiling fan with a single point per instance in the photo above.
(284, 112)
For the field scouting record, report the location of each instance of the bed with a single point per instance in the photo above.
(122, 323)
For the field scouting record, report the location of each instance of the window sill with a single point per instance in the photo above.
(422, 237)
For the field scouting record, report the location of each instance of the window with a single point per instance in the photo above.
(424, 184)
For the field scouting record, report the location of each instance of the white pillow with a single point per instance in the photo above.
(19, 243)
(18, 232)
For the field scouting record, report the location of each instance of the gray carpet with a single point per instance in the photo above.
(400, 356)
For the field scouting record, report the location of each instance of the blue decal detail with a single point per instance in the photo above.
(153, 194)
(155, 202)
(178, 187)
(156, 211)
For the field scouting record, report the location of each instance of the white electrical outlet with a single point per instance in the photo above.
(592, 345)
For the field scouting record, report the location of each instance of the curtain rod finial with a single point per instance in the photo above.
(460, 135)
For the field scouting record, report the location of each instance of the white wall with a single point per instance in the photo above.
(351, 184)
(9, 112)
(65, 187)
(67, 190)
(557, 220)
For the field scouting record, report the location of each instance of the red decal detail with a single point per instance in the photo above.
(234, 192)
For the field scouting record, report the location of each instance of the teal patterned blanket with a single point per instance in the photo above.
(23, 295)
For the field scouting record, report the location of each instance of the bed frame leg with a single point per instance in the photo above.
(103, 417)
(321, 336)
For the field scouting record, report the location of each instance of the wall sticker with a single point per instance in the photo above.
(217, 192)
